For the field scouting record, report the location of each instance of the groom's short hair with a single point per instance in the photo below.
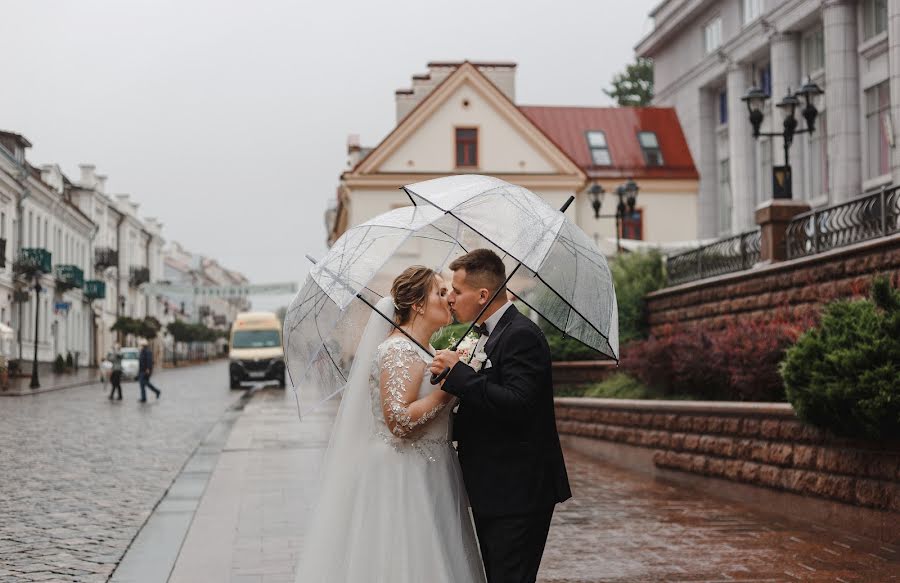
(484, 269)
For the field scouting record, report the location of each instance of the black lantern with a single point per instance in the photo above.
(627, 194)
(755, 98)
(596, 191)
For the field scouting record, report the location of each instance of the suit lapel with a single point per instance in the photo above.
(505, 320)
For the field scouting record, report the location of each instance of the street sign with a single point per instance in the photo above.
(223, 291)
(61, 307)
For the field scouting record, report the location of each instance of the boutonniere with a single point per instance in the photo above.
(468, 354)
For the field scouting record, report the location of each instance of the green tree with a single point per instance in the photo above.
(634, 86)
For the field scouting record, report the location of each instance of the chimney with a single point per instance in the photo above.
(88, 177)
(101, 183)
(406, 101)
(354, 150)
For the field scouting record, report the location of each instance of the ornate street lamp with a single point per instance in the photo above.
(627, 194)
(755, 98)
(35, 382)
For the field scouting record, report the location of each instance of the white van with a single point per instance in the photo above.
(255, 352)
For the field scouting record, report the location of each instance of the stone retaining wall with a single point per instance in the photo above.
(760, 444)
(796, 285)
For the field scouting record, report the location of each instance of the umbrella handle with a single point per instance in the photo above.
(435, 379)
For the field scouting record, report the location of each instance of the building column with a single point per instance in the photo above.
(787, 75)
(708, 199)
(843, 97)
(742, 158)
(894, 69)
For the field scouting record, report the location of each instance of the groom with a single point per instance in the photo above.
(505, 426)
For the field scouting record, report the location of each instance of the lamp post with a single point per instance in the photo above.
(35, 381)
(121, 315)
(627, 194)
(755, 98)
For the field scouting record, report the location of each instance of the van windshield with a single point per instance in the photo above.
(256, 339)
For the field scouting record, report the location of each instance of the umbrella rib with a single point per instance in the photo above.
(564, 332)
(571, 307)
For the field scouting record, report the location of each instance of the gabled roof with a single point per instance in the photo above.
(568, 127)
(467, 72)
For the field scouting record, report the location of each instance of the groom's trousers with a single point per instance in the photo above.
(512, 546)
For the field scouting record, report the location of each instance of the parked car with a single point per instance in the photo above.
(130, 362)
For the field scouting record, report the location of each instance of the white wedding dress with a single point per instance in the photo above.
(391, 509)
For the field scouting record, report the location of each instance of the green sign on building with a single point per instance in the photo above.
(95, 289)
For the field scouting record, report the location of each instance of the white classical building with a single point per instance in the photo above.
(126, 252)
(184, 268)
(462, 117)
(708, 53)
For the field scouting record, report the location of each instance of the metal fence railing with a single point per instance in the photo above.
(728, 255)
(861, 219)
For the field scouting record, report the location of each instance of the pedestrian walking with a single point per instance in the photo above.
(145, 364)
(115, 376)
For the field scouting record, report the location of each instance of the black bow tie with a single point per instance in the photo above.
(482, 330)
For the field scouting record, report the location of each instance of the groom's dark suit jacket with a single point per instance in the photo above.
(505, 425)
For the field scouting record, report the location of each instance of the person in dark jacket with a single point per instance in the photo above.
(115, 375)
(505, 426)
(145, 365)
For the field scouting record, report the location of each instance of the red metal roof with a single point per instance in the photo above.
(568, 127)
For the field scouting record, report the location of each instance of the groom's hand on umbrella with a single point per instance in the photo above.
(443, 359)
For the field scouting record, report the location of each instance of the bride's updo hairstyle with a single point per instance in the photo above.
(410, 288)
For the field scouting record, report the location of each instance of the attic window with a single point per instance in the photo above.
(650, 147)
(466, 147)
(596, 141)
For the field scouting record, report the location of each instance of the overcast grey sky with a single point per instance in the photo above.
(227, 120)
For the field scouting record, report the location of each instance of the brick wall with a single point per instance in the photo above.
(759, 444)
(794, 286)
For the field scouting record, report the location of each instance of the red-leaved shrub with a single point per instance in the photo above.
(738, 361)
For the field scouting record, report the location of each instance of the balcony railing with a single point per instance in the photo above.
(95, 289)
(32, 261)
(69, 277)
(105, 257)
(138, 275)
(724, 256)
(858, 220)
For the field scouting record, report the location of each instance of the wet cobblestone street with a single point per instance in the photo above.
(80, 474)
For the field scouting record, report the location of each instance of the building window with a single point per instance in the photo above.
(724, 196)
(874, 17)
(764, 78)
(466, 147)
(596, 141)
(814, 50)
(712, 34)
(650, 146)
(751, 10)
(723, 107)
(878, 106)
(632, 225)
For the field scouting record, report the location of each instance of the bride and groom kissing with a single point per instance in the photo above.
(395, 497)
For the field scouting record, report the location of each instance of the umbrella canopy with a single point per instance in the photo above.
(567, 279)
(326, 319)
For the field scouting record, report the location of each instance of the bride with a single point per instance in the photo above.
(392, 507)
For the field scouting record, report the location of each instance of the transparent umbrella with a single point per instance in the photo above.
(566, 278)
(548, 257)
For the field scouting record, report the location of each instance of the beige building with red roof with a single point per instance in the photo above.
(462, 118)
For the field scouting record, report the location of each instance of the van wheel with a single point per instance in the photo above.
(234, 384)
(281, 383)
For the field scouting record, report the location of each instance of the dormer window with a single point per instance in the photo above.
(650, 147)
(596, 141)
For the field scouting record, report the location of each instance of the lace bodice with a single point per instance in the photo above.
(393, 361)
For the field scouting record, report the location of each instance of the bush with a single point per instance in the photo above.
(845, 374)
(59, 365)
(635, 275)
(738, 362)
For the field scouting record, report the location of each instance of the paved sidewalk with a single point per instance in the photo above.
(620, 527)
(50, 381)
